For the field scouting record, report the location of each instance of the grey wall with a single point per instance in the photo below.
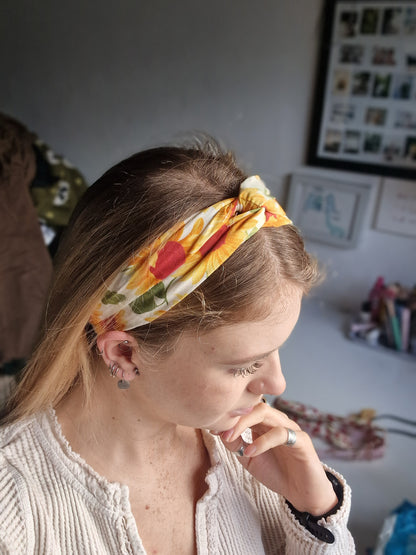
(100, 80)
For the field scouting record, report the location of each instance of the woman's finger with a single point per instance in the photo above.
(261, 416)
(236, 446)
(276, 437)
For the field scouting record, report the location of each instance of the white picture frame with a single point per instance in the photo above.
(330, 207)
(396, 211)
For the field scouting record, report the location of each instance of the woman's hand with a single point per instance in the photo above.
(293, 471)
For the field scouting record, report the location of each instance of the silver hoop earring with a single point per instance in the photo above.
(114, 368)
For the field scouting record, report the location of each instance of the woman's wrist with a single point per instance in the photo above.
(328, 500)
(310, 522)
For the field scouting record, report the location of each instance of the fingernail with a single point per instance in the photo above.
(250, 450)
(227, 434)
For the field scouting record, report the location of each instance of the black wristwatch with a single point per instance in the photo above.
(310, 522)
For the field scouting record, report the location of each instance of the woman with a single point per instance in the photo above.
(181, 278)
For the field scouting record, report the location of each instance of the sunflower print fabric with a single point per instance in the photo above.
(160, 275)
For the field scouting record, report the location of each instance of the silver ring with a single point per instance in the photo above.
(291, 437)
(240, 451)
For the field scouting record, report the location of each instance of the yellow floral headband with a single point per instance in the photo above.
(162, 274)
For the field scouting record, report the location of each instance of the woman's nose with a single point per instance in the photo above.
(270, 379)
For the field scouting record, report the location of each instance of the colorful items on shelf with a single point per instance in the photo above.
(388, 317)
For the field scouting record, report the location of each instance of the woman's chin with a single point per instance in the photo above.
(222, 425)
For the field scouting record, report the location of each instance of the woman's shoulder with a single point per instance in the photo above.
(27, 456)
(40, 458)
(18, 447)
(14, 474)
(15, 436)
(13, 520)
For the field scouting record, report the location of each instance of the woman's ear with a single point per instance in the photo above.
(117, 350)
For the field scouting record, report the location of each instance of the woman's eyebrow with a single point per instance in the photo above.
(250, 359)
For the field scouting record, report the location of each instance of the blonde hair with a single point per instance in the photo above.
(128, 207)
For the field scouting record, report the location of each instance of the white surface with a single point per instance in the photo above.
(326, 370)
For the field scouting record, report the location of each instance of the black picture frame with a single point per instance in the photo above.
(364, 115)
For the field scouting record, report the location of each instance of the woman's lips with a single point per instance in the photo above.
(241, 412)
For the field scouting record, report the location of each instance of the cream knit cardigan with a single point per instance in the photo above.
(52, 502)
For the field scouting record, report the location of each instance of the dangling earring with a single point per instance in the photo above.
(114, 369)
(124, 384)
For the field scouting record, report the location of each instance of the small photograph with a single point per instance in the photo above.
(381, 85)
(375, 116)
(342, 113)
(405, 119)
(361, 83)
(332, 140)
(402, 86)
(392, 149)
(409, 21)
(410, 61)
(392, 21)
(348, 24)
(369, 21)
(410, 149)
(352, 142)
(351, 54)
(341, 82)
(372, 143)
(383, 56)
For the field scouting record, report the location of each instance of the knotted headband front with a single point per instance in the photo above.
(160, 275)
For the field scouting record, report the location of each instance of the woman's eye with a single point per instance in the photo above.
(245, 371)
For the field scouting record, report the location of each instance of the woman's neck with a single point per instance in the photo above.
(116, 431)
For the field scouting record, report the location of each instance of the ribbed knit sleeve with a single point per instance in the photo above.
(281, 532)
(298, 540)
(13, 528)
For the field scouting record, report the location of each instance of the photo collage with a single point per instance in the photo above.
(369, 110)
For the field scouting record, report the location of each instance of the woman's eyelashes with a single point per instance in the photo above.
(246, 370)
